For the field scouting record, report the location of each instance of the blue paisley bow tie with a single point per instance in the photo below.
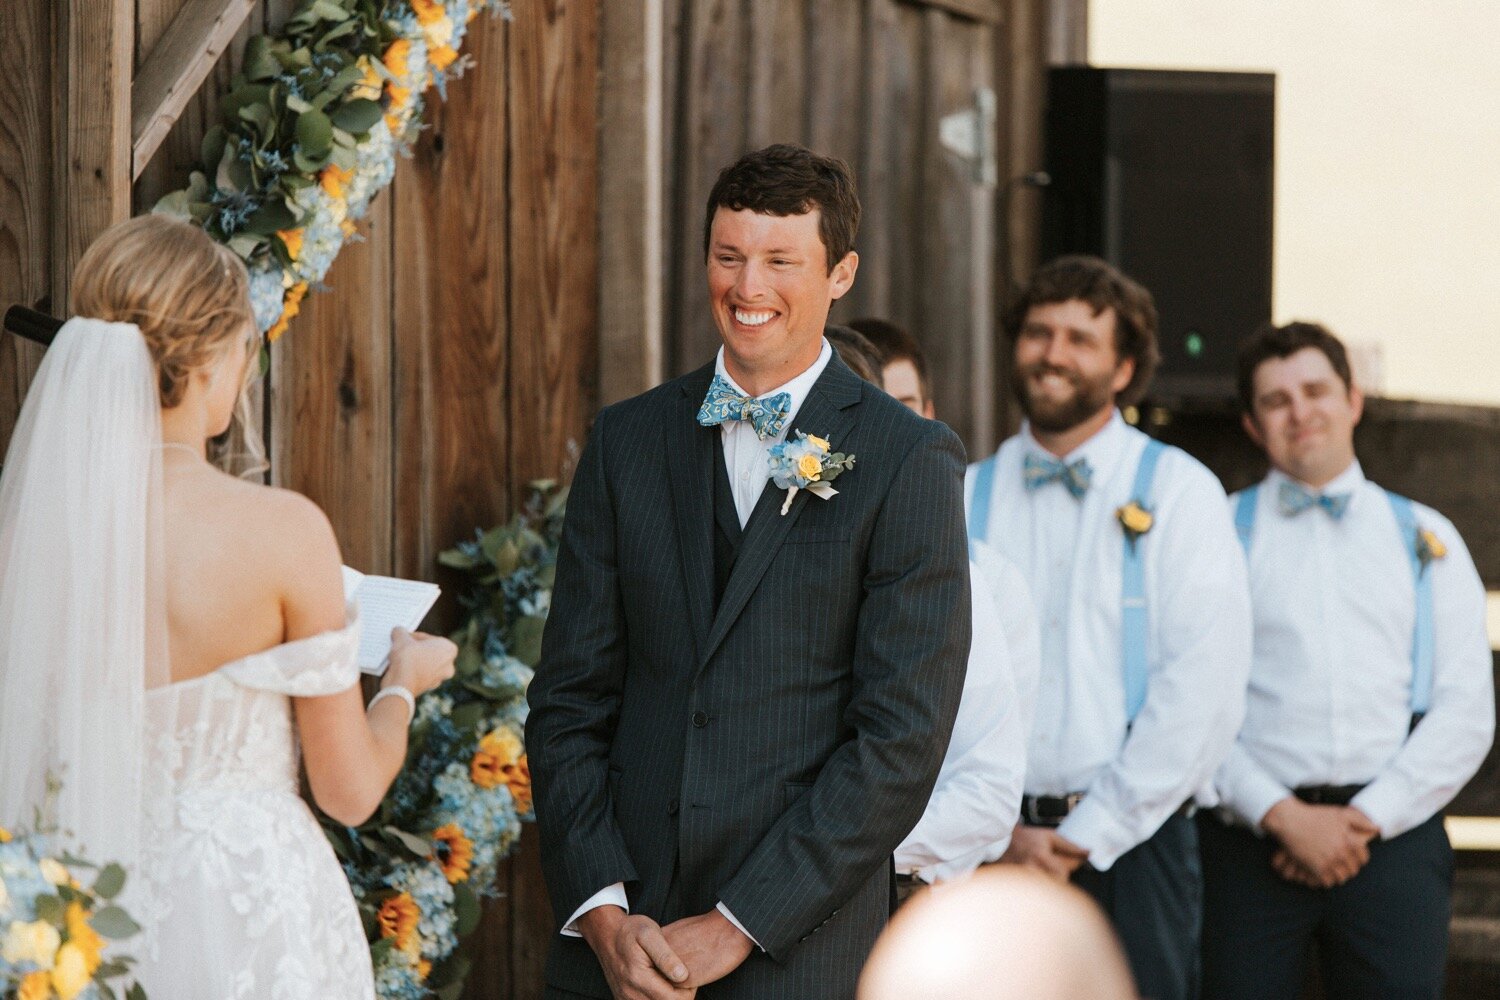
(1075, 475)
(1293, 500)
(724, 403)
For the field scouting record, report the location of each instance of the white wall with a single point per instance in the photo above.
(1387, 165)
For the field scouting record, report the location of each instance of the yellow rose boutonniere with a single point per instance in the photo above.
(1135, 519)
(1430, 548)
(807, 462)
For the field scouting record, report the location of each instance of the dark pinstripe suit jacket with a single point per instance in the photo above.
(771, 755)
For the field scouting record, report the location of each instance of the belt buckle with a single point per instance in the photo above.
(1031, 808)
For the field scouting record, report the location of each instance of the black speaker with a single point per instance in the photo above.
(1168, 175)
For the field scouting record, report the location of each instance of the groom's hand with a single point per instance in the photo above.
(1041, 848)
(711, 946)
(637, 961)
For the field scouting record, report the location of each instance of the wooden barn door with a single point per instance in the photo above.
(913, 94)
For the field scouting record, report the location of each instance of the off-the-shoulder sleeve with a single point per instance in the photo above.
(305, 668)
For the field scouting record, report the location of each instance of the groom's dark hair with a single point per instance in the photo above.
(791, 180)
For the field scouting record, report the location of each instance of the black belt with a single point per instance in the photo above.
(1051, 810)
(1328, 795)
(907, 878)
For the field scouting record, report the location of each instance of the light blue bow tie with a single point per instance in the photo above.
(1075, 475)
(724, 403)
(1294, 499)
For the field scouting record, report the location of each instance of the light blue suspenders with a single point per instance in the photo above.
(1134, 622)
(1422, 638)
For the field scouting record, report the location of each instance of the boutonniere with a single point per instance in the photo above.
(808, 463)
(1430, 548)
(1135, 519)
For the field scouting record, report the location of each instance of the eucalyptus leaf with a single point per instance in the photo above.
(225, 177)
(245, 244)
(310, 164)
(416, 845)
(359, 115)
(526, 643)
(110, 881)
(135, 992)
(114, 923)
(269, 218)
(242, 97)
(211, 150)
(453, 558)
(335, 33)
(103, 989)
(343, 157)
(297, 104)
(260, 61)
(344, 79)
(469, 662)
(177, 205)
(314, 132)
(466, 903)
(466, 717)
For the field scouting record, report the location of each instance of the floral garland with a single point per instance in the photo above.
(309, 134)
(421, 865)
(53, 929)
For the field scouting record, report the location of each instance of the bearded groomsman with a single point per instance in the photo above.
(1371, 703)
(1140, 588)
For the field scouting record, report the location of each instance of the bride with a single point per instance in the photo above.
(169, 635)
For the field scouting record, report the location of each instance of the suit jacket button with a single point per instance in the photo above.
(700, 718)
(672, 808)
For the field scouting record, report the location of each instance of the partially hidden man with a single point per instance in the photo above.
(751, 668)
(1371, 703)
(1139, 585)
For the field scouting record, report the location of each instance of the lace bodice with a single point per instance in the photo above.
(243, 895)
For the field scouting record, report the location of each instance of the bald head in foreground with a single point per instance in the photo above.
(1004, 933)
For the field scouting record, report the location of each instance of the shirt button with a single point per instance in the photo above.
(700, 718)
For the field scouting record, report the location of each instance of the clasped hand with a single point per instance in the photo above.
(1043, 849)
(644, 961)
(1321, 846)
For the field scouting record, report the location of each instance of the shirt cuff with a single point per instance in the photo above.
(610, 895)
(1254, 797)
(1388, 805)
(1092, 828)
(738, 926)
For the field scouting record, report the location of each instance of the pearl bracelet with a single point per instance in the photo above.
(396, 691)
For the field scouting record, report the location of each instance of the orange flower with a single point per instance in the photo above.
(428, 11)
(332, 179)
(84, 936)
(398, 918)
(34, 986)
(396, 56)
(4, 835)
(293, 240)
(289, 310)
(424, 969)
(442, 56)
(518, 778)
(455, 852)
(497, 751)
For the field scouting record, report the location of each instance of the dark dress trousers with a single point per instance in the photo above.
(754, 716)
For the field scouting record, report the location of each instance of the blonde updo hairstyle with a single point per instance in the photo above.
(190, 297)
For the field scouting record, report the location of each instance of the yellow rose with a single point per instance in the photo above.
(71, 973)
(4, 835)
(54, 872)
(1136, 519)
(1432, 544)
(809, 467)
(34, 986)
(818, 442)
(34, 942)
(82, 936)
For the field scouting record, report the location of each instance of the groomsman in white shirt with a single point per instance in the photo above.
(1140, 587)
(977, 798)
(1370, 704)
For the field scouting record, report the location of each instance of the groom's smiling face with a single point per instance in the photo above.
(770, 290)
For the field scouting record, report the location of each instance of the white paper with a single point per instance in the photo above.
(385, 602)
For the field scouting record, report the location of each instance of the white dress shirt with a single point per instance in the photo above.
(1198, 642)
(747, 460)
(974, 805)
(1330, 685)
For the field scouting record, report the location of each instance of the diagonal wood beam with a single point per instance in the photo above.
(176, 68)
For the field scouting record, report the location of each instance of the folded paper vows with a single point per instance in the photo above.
(385, 602)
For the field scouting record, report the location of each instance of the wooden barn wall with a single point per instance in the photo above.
(453, 358)
(868, 81)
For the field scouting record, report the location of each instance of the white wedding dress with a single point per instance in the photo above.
(247, 897)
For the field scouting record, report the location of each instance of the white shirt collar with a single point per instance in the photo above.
(797, 388)
(1102, 450)
(1348, 481)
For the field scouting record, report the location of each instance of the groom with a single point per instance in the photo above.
(744, 699)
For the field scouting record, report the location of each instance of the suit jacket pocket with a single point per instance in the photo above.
(792, 791)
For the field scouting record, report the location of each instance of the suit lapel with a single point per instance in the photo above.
(690, 451)
(828, 413)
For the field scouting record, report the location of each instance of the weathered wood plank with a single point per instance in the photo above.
(776, 110)
(1067, 32)
(984, 385)
(632, 163)
(180, 61)
(835, 77)
(330, 398)
(985, 11)
(711, 136)
(92, 67)
(25, 189)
